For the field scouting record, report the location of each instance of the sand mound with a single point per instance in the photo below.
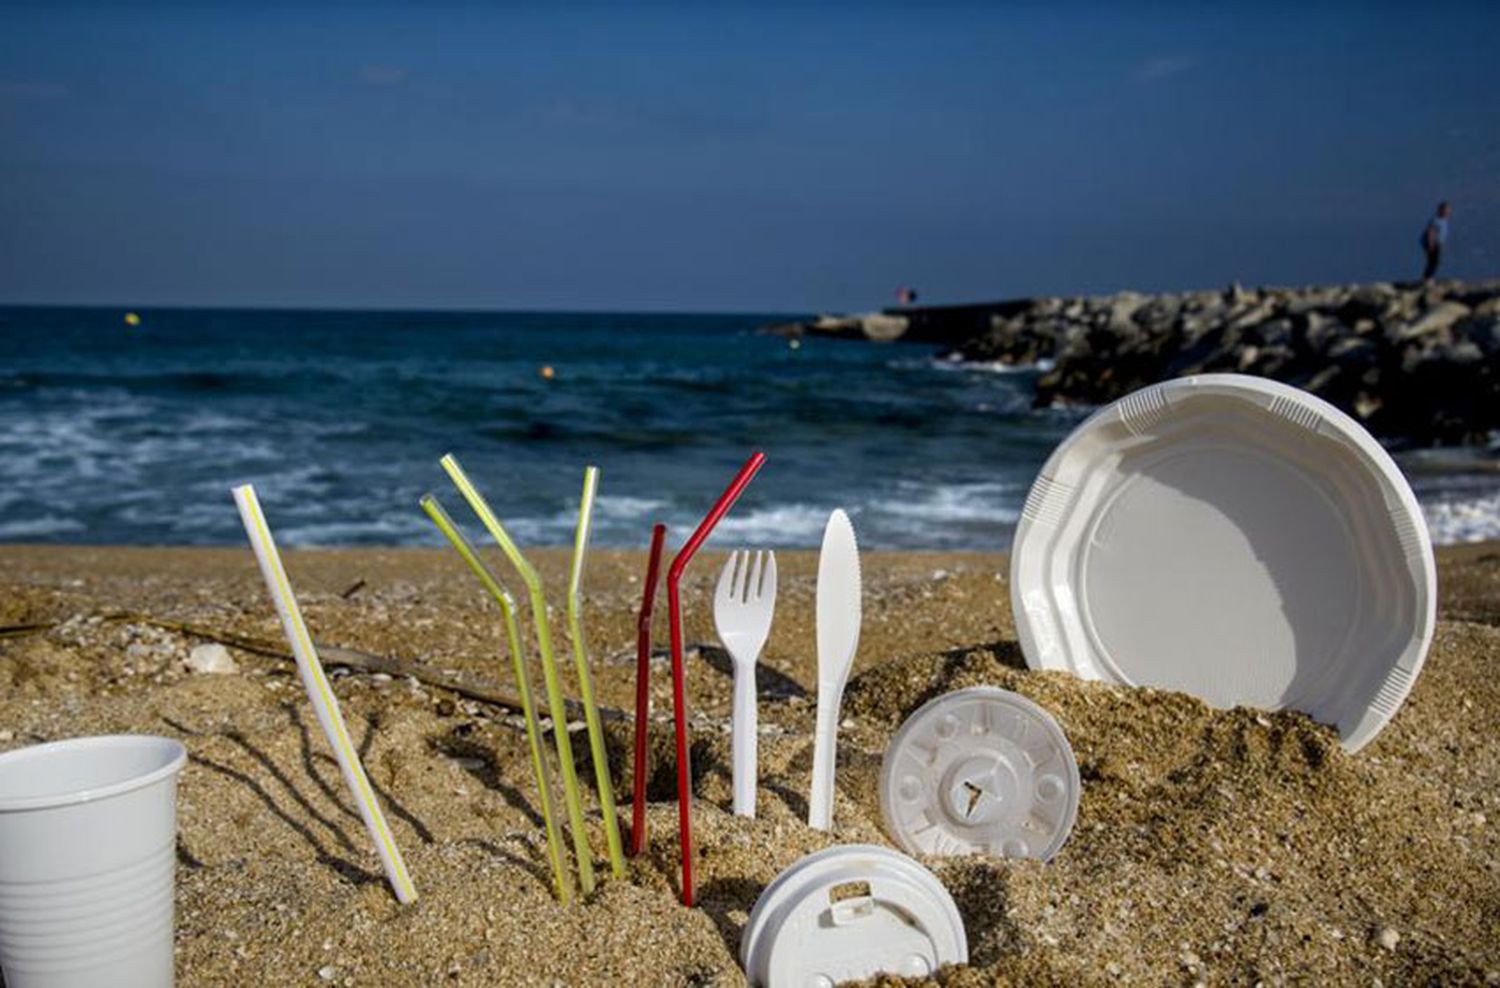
(1222, 847)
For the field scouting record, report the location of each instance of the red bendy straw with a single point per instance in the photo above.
(679, 680)
(643, 690)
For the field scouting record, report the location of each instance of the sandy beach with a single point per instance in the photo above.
(1212, 847)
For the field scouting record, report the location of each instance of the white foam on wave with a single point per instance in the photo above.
(987, 501)
(203, 421)
(625, 508)
(955, 364)
(56, 446)
(54, 450)
(978, 515)
(303, 483)
(390, 529)
(1470, 519)
(554, 530)
(616, 518)
(32, 528)
(782, 525)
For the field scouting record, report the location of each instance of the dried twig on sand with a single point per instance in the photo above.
(349, 658)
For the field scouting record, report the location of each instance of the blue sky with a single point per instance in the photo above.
(707, 157)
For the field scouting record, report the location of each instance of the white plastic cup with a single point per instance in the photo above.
(88, 834)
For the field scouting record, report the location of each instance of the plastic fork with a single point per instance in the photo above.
(743, 606)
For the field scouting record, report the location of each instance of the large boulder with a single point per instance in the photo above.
(1246, 316)
(1012, 340)
(883, 328)
(1273, 332)
(1330, 298)
(1353, 351)
(1319, 332)
(1367, 301)
(1122, 309)
(1434, 320)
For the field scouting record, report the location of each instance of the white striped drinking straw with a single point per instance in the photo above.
(316, 683)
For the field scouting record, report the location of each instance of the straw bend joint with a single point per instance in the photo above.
(679, 675)
(533, 582)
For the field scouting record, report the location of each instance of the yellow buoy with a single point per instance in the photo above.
(131, 319)
(547, 372)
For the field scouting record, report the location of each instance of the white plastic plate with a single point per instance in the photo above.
(1232, 538)
(848, 913)
(980, 771)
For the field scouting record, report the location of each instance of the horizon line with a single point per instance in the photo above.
(392, 309)
(696, 311)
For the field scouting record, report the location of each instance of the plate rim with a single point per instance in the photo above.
(1050, 502)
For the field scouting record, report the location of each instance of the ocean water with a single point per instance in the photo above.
(118, 434)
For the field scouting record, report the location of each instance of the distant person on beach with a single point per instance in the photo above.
(906, 296)
(1433, 237)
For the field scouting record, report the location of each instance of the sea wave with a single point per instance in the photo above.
(1001, 367)
(620, 506)
(389, 529)
(1464, 519)
(196, 381)
(339, 418)
(956, 515)
(35, 528)
(782, 525)
(985, 501)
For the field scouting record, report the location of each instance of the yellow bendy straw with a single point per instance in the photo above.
(585, 684)
(316, 683)
(533, 581)
(560, 875)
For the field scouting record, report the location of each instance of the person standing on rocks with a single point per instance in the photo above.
(1433, 237)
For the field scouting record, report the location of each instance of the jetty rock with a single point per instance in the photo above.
(1417, 364)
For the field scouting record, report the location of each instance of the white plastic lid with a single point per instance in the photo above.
(980, 771)
(848, 913)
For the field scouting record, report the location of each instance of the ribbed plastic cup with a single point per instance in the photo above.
(88, 833)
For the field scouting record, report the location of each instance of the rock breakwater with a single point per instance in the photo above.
(1417, 364)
